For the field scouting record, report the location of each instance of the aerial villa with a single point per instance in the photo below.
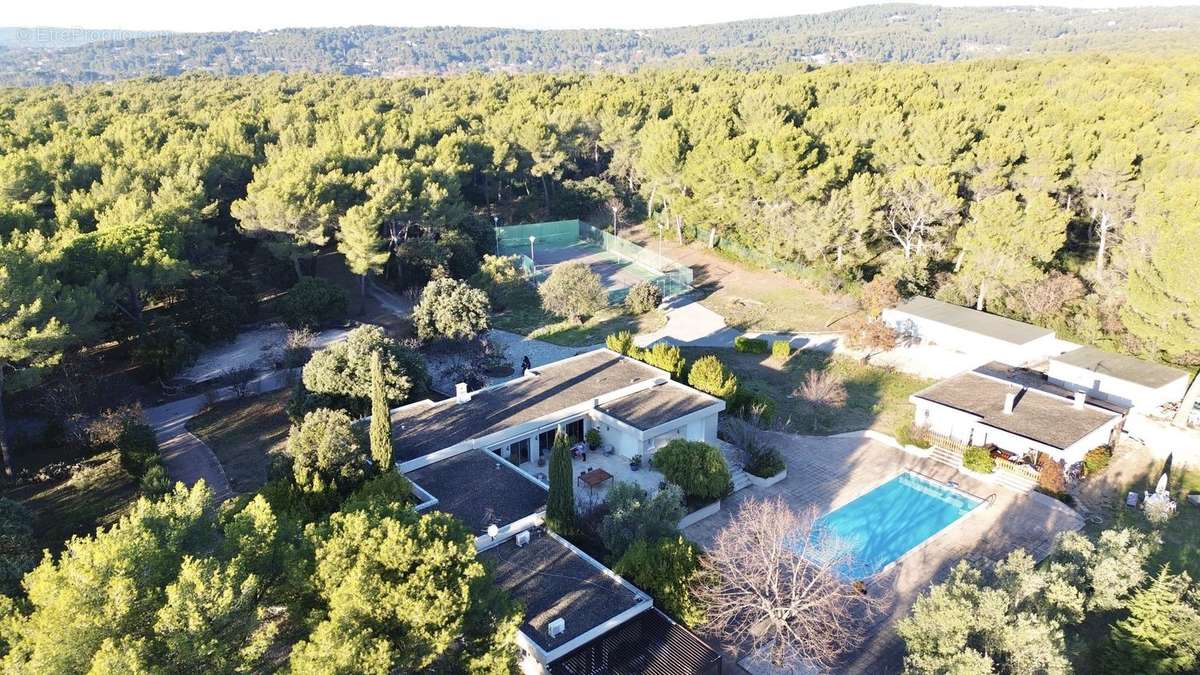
(477, 457)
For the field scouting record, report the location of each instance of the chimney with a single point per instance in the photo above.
(460, 392)
(556, 627)
(1080, 399)
(1010, 402)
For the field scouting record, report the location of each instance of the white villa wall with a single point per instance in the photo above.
(969, 342)
(967, 428)
(1114, 389)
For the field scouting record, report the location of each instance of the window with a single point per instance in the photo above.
(518, 453)
(574, 431)
(546, 442)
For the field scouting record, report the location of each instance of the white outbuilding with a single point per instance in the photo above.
(969, 331)
(1121, 379)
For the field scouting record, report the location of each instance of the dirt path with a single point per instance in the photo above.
(749, 299)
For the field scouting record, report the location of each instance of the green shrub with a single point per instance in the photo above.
(711, 376)
(313, 302)
(643, 298)
(781, 349)
(593, 438)
(573, 291)
(327, 455)
(138, 449)
(747, 403)
(697, 467)
(749, 345)
(906, 435)
(665, 356)
(503, 281)
(155, 483)
(1096, 460)
(979, 460)
(634, 515)
(621, 342)
(666, 569)
(763, 461)
(451, 309)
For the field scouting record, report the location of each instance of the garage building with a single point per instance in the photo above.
(1118, 378)
(972, 332)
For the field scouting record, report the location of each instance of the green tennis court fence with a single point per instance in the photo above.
(514, 239)
(673, 278)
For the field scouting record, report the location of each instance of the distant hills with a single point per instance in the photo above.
(892, 32)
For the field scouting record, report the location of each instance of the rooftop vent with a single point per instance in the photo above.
(1010, 402)
(556, 627)
(1080, 399)
(522, 538)
(460, 392)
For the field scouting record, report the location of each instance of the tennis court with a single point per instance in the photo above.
(619, 263)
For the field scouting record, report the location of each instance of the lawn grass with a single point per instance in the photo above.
(96, 496)
(536, 322)
(785, 307)
(877, 398)
(245, 435)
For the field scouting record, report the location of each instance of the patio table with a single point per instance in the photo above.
(594, 477)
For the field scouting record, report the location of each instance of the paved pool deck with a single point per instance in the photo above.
(825, 472)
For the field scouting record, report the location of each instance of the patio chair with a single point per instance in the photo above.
(609, 450)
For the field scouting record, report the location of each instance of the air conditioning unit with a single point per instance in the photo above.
(556, 627)
(522, 538)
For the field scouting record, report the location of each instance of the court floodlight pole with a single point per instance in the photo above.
(531, 258)
(497, 232)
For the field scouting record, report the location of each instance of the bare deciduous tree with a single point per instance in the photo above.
(775, 583)
(820, 392)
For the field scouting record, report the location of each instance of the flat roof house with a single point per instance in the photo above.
(970, 331)
(475, 457)
(569, 598)
(1004, 407)
(637, 408)
(1119, 378)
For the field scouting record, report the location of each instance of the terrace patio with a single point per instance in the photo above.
(827, 472)
(616, 465)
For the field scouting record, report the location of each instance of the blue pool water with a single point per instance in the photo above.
(887, 522)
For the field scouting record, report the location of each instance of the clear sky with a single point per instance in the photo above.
(212, 15)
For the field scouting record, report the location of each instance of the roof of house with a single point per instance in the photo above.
(982, 323)
(1034, 379)
(552, 581)
(422, 428)
(1122, 367)
(651, 407)
(480, 490)
(648, 643)
(1037, 415)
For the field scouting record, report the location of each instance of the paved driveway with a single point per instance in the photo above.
(691, 324)
(827, 472)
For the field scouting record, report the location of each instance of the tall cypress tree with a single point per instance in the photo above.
(560, 504)
(381, 419)
(1161, 633)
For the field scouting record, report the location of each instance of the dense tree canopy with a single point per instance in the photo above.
(987, 180)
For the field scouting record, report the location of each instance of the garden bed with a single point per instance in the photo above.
(245, 435)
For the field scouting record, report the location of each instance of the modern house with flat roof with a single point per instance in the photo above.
(970, 331)
(475, 457)
(1119, 378)
(636, 408)
(1017, 412)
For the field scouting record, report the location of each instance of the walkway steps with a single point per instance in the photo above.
(740, 479)
(1008, 479)
(1014, 482)
(950, 457)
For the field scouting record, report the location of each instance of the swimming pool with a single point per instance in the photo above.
(894, 518)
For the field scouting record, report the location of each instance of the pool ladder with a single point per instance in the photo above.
(991, 499)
